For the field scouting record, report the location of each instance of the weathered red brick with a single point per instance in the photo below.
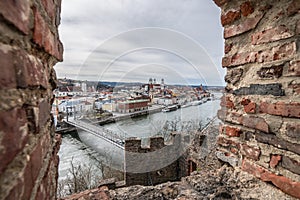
(43, 36)
(291, 109)
(272, 34)
(294, 68)
(17, 12)
(231, 145)
(99, 193)
(239, 59)
(246, 8)
(8, 74)
(232, 131)
(226, 102)
(47, 187)
(226, 61)
(16, 191)
(30, 177)
(50, 8)
(220, 2)
(249, 106)
(244, 26)
(256, 122)
(279, 52)
(234, 150)
(251, 168)
(274, 160)
(227, 48)
(285, 184)
(226, 142)
(13, 128)
(41, 192)
(293, 8)
(243, 58)
(31, 71)
(250, 152)
(40, 29)
(103, 193)
(35, 164)
(235, 147)
(234, 117)
(230, 16)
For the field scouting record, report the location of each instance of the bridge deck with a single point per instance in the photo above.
(101, 132)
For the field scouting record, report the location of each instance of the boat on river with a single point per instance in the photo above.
(170, 108)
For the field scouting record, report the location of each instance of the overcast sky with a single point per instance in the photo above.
(129, 40)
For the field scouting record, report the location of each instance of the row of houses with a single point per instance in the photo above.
(85, 105)
(77, 98)
(80, 105)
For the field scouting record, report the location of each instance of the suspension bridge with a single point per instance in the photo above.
(115, 139)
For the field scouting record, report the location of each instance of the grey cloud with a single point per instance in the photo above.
(86, 25)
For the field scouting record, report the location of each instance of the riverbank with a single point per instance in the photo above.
(66, 128)
(123, 116)
(118, 117)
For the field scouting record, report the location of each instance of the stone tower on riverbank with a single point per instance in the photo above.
(157, 162)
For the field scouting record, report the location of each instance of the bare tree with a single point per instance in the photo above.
(80, 177)
(83, 177)
(188, 126)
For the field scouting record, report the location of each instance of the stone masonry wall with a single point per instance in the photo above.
(29, 48)
(156, 154)
(261, 109)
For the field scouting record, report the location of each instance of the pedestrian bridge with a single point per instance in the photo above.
(100, 132)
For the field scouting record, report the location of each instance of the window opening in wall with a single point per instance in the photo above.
(133, 72)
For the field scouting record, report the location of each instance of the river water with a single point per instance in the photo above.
(89, 149)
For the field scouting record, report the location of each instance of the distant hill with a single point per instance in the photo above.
(107, 84)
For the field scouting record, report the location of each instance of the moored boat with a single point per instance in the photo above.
(170, 108)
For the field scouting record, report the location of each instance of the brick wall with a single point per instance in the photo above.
(29, 47)
(140, 161)
(261, 109)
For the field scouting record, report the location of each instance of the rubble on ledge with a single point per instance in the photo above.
(223, 183)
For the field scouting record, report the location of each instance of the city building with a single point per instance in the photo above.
(130, 106)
